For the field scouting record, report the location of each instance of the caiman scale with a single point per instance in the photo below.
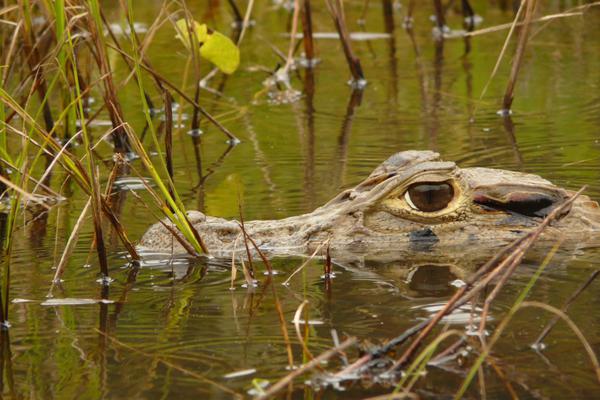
(412, 202)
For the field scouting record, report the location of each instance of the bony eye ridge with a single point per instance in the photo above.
(429, 196)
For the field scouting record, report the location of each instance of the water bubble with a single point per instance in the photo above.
(105, 280)
(254, 284)
(234, 141)
(273, 272)
(539, 346)
(307, 62)
(195, 132)
(357, 83)
(331, 275)
(504, 112)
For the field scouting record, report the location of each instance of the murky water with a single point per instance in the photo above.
(165, 319)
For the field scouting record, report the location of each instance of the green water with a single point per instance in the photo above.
(292, 158)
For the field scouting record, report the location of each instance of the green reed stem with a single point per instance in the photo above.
(515, 307)
(91, 167)
(3, 142)
(177, 216)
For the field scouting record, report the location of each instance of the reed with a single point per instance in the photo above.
(236, 12)
(246, 237)
(92, 170)
(110, 91)
(195, 58)
(336, 9)
(16, 186)
(58, 62)
(518, 58)
(327, 268)
(440, 16)
(498, 331)
(307, 33)
(468, 15)
(174, 208)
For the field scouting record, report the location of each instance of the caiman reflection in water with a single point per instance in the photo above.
(413, 204)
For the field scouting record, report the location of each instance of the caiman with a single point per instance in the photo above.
(412, 202)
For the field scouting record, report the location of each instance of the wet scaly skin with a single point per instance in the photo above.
(479, 207)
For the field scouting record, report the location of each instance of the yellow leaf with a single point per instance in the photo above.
(201, 31)
(214, 46)
(221, 51)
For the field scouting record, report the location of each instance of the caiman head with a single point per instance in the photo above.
(412, 202)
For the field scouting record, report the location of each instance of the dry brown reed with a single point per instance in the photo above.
(336, 9)
(518, 58)
(307, 33)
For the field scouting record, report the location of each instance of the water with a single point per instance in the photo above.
(165, 318)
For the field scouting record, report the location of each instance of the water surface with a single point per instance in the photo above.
(169, 317)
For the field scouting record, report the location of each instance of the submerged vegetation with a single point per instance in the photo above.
(90, 113)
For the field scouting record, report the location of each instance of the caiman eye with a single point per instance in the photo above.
(429, 196)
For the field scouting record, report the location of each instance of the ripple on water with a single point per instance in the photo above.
(460, 316)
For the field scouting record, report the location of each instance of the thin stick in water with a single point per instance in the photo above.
(336, 9)
(518, 60)
(307, 33)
